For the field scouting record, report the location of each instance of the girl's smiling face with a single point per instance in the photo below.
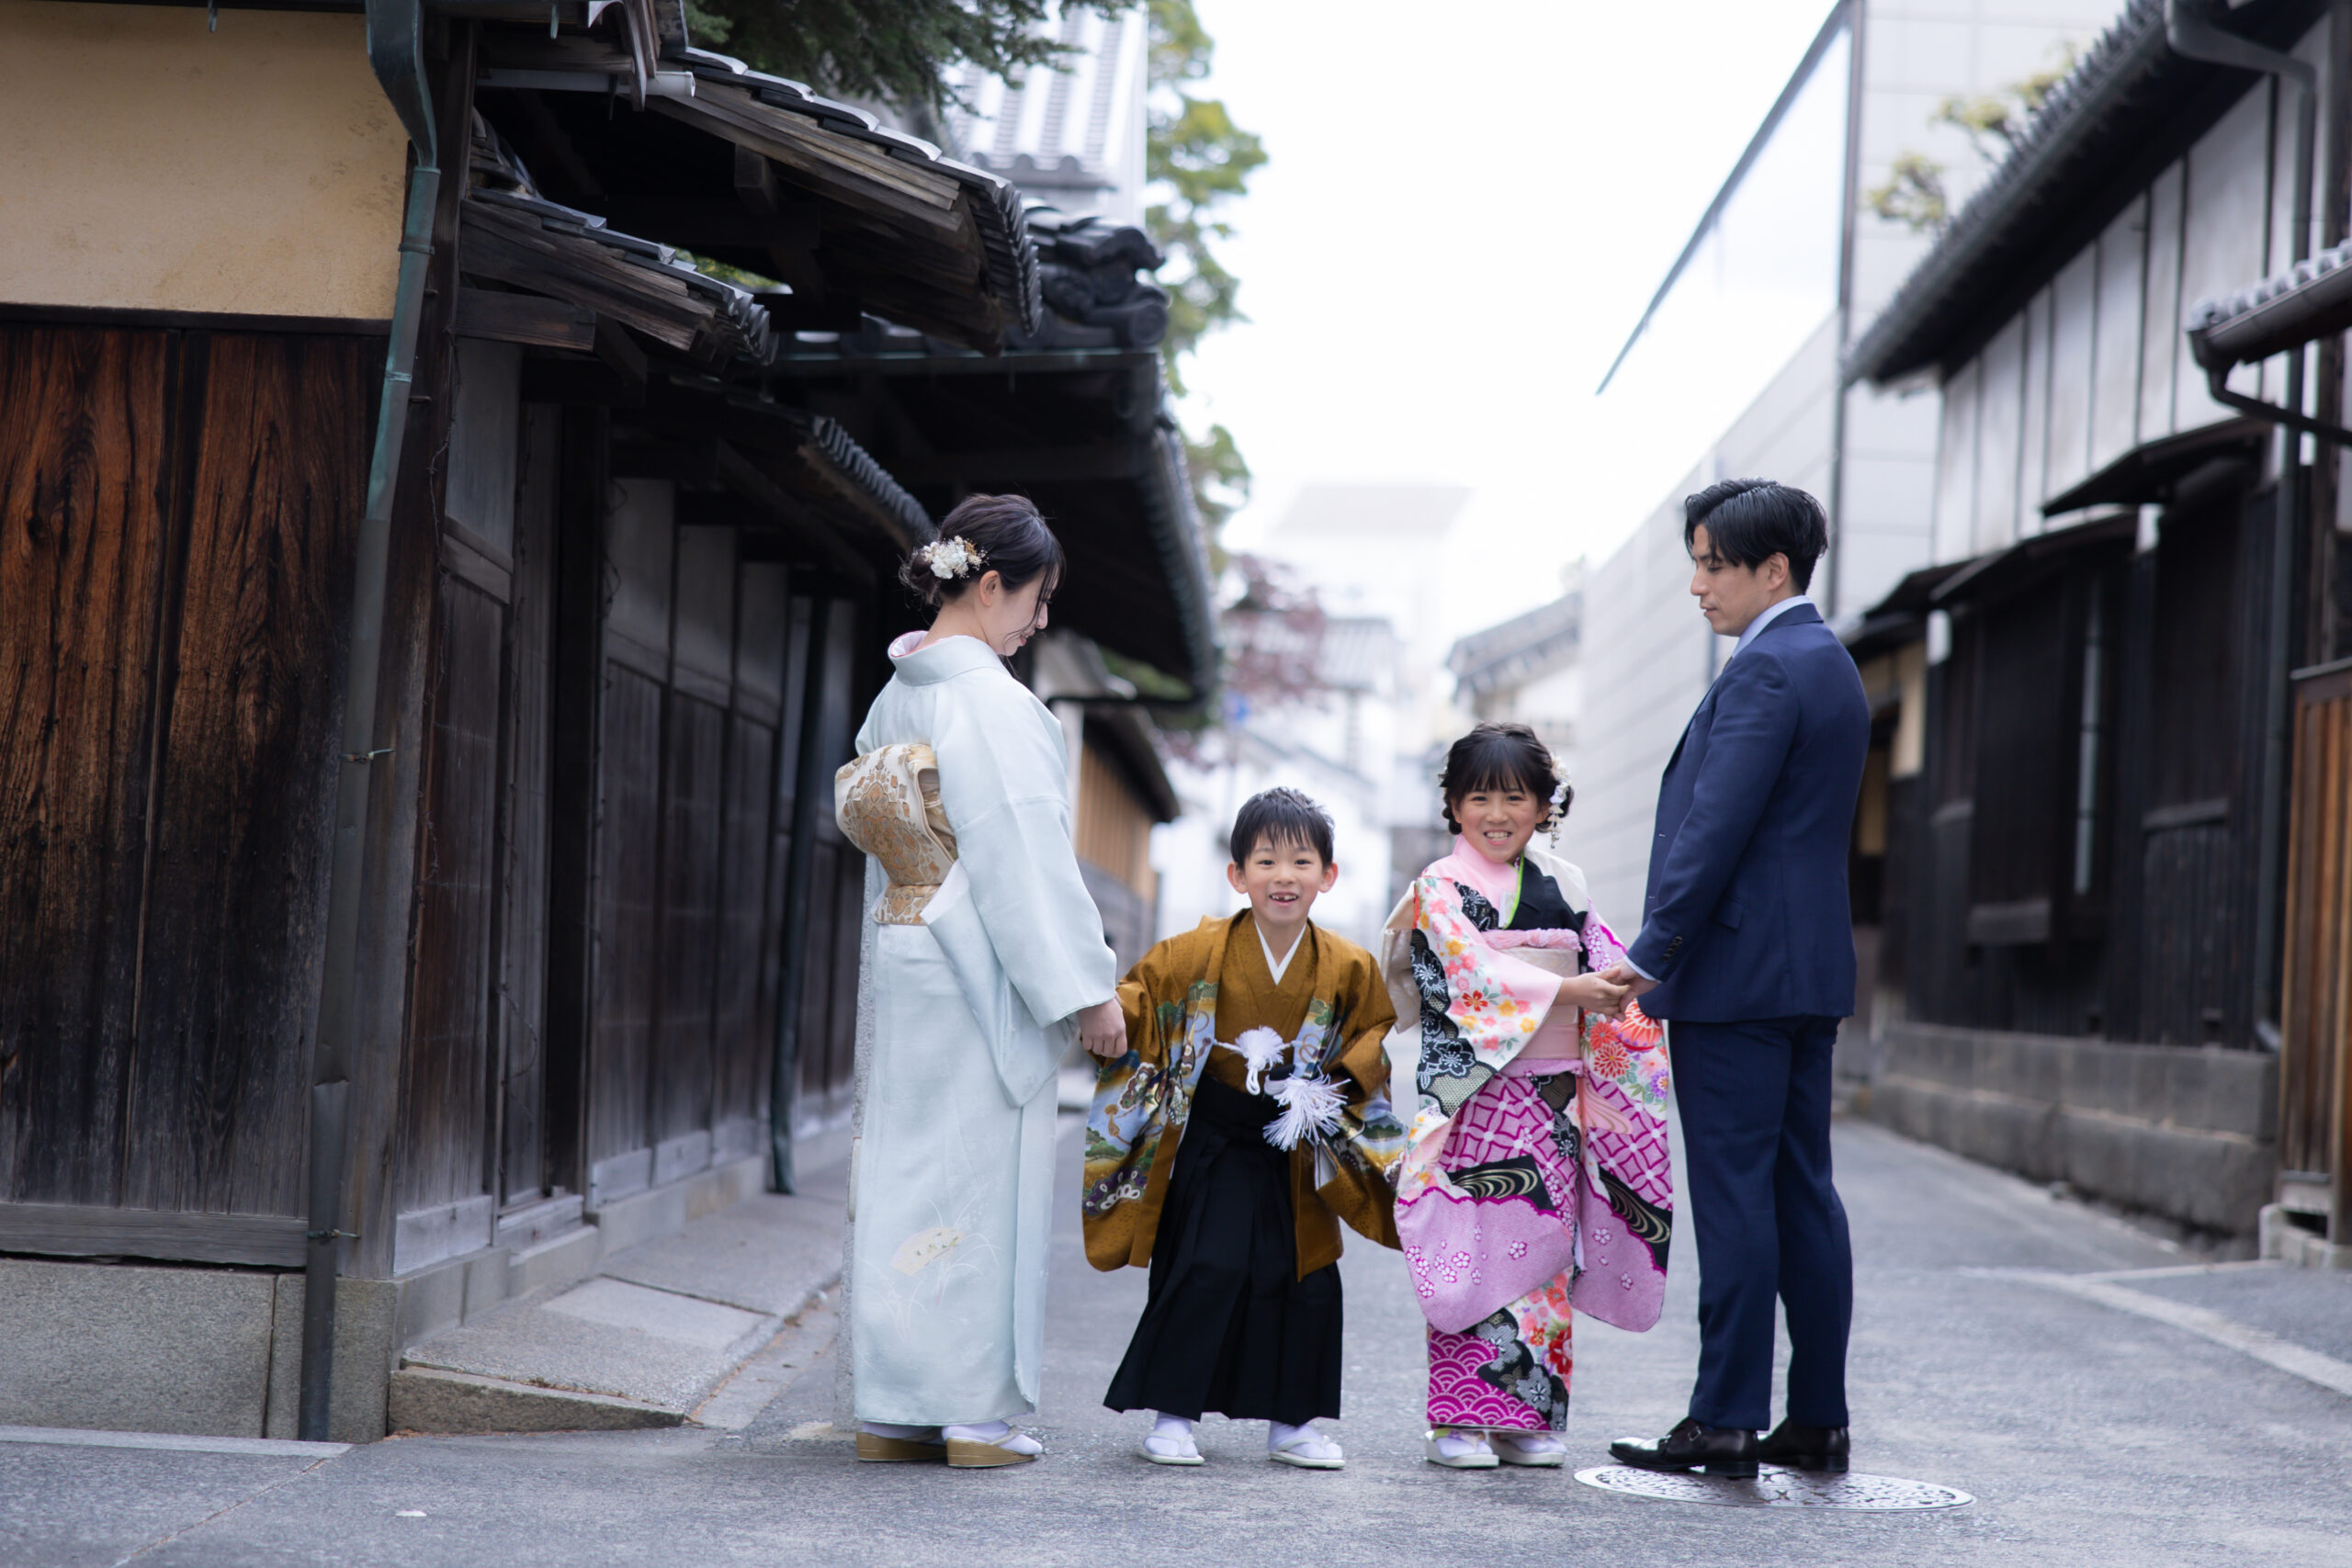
(1498, 821)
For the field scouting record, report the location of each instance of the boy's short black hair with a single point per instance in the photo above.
(1280, 816)
(1750, 521)
(1502, 756)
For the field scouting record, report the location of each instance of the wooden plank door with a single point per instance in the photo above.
(176, 517)
(449, 1183)
(683, 1069)
(82, 460)
(2315, 1069)
(626, 909)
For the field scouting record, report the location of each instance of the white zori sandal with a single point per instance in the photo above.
(1171, 1442)
(1540, 1450)
(1302, 1446)
(1459, 1450)
(987, 1445)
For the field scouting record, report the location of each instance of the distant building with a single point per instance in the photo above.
(1742, 346)
(1528, 669)
(1335, 739)
(1385, 550)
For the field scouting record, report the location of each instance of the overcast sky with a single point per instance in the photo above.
(1466, 208)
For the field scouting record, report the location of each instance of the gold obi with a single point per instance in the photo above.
(887, 805)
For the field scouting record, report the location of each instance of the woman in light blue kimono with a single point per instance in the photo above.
(984, 956)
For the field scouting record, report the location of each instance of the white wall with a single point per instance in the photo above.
(1649, 655)
(2095, 365)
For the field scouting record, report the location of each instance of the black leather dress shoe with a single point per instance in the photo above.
(1806, 1448)
(1727, 1451)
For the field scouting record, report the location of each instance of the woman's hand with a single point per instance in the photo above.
(1594, 993)
(1102, 1029)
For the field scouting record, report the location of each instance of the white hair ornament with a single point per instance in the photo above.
(950, 558)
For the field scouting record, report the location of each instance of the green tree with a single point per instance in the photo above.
(899, 53)
(1203, 160)
(903, 52)
(1994, 122)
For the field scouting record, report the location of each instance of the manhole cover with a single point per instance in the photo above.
(1775, 1487)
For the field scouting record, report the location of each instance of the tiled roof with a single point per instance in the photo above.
(514, 237)
(1525, 645)
(2311, 298)
(2073, 164)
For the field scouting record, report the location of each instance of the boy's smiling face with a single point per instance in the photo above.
(1283, 882)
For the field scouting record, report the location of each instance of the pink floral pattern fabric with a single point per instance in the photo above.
(1525, 1192)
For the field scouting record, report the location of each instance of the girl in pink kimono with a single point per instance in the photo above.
(1536, 1176)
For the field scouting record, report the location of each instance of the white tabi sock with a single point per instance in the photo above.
(1001, 1433)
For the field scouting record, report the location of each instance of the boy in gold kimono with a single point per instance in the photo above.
(1247, 1119)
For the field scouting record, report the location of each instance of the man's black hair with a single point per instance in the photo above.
(1281, 816)
(1750, 521)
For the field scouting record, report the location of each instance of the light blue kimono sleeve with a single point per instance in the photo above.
(1005, 783)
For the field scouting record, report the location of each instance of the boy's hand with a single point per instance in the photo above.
(1595, 993)
(1102, 1029)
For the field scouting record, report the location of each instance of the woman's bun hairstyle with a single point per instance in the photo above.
(1002, 534)
(1504, 757)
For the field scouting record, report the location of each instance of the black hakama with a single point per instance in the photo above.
(1227, 1325)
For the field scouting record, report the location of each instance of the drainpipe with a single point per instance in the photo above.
(2194, 37)
(396, 51)
(811, 781)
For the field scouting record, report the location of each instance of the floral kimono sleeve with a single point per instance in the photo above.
(1479, 1005)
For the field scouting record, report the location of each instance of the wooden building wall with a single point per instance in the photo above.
(176, 516)
(2084, 860)
(2316, 1075)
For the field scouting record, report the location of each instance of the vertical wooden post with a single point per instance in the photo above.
(799, 864)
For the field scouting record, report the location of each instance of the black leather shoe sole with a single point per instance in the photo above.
(1833, 1464)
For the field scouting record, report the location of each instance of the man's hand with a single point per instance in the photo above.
(1102, 1029)
(1623, 974)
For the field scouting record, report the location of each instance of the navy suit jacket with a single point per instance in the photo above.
(1747, 915)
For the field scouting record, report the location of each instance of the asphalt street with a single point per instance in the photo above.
(2087, 1435)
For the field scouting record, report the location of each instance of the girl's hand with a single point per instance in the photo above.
(1102, 1029)
(1595, 993)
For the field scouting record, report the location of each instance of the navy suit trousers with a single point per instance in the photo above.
(1753, 1099)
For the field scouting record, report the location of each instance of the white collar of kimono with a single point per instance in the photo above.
(1276, 966)
(942, 660)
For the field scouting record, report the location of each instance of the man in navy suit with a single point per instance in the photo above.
(1747, 947)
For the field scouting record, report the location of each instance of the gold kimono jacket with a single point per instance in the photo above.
(1186, 1001)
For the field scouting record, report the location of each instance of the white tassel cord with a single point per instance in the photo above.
(1310, 1107)
(1261, 1048)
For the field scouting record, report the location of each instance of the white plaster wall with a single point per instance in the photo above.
(1956, 466)
(2222, 235)
(1647, 652)
(2033, 433)
(2116, 337)
(1998, 437)
(152, 165)
(2117, 370)
(1885, 502)
(2073, 302)
(2161, 348)
(1648, 657)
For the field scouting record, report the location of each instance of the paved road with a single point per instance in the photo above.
(2089, 1435)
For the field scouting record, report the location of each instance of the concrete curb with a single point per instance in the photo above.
(426, 1399)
